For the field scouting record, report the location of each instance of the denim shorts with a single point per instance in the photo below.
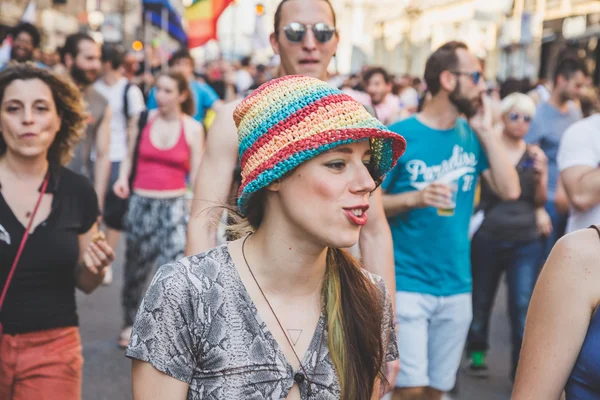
(432, 332)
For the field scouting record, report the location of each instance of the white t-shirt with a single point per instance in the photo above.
(580, 145)
(118, 131)
(409, 98)
(243, 81)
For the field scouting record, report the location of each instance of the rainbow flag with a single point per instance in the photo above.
(202, 18)
(153, 14)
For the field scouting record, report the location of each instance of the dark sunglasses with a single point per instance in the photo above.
(475, 76)
(515, 117)
(295, 32)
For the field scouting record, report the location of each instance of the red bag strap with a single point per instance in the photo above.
(23, 241)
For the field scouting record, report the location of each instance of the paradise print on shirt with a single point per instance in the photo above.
(461, 164)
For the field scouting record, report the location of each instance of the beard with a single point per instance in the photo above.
(377, 100)
(82, 77)
(564, 97)
(466, 106)
(20, 55)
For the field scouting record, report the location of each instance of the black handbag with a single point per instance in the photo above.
(115, 208)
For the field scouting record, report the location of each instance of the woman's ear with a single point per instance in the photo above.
(183, 97)
(275, 186)
(58, 121)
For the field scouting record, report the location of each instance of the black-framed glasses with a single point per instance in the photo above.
(295, 32)
(513, 116)
(475, 76)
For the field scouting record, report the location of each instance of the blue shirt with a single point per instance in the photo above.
(546, 130)
(584, 381)
(204, 97)
(432, 252)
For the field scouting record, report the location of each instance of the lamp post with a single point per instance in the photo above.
(123, 12)
(412, 13)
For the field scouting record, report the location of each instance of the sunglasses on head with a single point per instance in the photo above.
(516, 116)
(475, 76)
(295, 32)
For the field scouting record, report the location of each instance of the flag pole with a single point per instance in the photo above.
(164, 25)
(148, 44)
(235, 29)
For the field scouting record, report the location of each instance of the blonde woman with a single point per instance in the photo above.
(508, 240)
(281, 312)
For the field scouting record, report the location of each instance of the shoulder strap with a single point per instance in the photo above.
(143, 120)
(23, 242)
(371, 110)
(595, 227)
(126, 102)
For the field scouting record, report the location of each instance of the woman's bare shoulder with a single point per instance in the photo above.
(152, 113)
(577, 255)
(581, 245)
(191, 124)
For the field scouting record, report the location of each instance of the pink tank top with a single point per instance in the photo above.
(162, 169)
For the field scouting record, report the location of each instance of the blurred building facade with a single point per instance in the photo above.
(571, 26)
(404, 42)
(513, 38)
(55, 18)
(116, 21)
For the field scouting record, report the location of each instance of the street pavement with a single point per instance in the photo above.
(107, 373)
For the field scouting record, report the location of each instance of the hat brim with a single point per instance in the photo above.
(387, 148)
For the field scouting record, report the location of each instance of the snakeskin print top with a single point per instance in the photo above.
(198, 324)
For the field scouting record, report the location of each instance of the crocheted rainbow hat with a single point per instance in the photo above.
(292, 119)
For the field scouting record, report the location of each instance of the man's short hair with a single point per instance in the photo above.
(277, 17)
(245, 62)
(371, 72)
(181, 54)
(111, 54)
(568, 67)
(30, 29)
(71, 46)
(443, 59)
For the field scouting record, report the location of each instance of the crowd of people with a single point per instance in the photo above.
(249, 185)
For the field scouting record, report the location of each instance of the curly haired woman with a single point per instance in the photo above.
(49, 243)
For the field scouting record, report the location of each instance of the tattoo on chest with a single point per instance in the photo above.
(294, 335)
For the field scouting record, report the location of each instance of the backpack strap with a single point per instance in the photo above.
(126, 102)
(143, 120)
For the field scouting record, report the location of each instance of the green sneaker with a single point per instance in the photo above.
(477, 367)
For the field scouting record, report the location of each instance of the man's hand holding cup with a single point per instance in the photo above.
(439, 195)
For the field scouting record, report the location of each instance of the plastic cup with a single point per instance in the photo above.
(449, 211)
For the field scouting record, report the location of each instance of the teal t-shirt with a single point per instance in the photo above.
(432, 252)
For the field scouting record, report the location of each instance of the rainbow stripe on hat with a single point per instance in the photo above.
(292, 119)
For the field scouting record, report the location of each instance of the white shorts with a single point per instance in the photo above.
(432, 332)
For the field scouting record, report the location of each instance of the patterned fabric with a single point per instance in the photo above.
(198, 324)
(290, 120)
(156, 234)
